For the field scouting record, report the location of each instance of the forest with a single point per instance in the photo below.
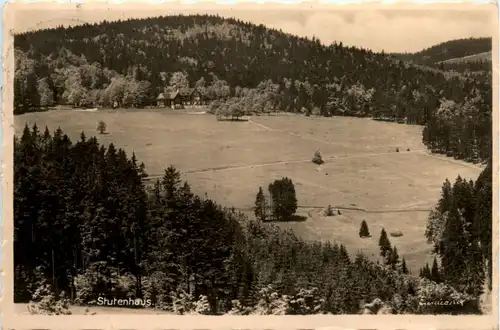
(86, 226)
(241, 67)
(448, 50)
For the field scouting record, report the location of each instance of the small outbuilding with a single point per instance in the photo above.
(174, 100)
(160, 101)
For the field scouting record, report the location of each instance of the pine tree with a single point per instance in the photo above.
(404, 268)
(425, 272)
(435, 275)
(444, 203)
(394, 258)
(260, 205)
(453, 261)
(363, 231)
(384, 243)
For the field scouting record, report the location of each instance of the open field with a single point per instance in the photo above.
(230, 160)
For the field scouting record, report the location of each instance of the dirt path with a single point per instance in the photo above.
(247, 166)
(267, 128)
(423, 152)
(348, 208)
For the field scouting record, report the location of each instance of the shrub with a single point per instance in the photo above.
(155, 287)
(397, 149)
(202, 306)
(238, 309)
(25, 283)
(99, 279)
(306, 302)
(45, 302)
(317, 159)
(182, 303)
(408, 149)
(396, 233)
(429, 293)
(329, 211)
(101, 127)
(270, 302)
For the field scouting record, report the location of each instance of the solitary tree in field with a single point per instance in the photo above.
(363, 231)
(317, 159)
(384, 243)
(101, 127)
(260, 205)
(283, 197)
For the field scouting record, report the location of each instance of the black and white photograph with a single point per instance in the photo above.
(244, 161)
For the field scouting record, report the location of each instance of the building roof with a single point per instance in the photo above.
(161, 97)
(186, 91)
(171, 95)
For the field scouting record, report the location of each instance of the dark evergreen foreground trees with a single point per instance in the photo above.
(460, 230)
(85, 223)
(241, 67)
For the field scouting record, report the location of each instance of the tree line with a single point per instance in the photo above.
(459, 228)
(452, 49)
(85, 226)
(130, 62)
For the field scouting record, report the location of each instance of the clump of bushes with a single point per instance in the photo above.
(45, 302)
(304, 302)
(271, 302)
(396, 233)
(185, 303)
(317, 159)
(397, 149)
(101, 279)
(329, 212)
(239, 309)
(429, 292)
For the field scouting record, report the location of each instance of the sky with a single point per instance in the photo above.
(390, 28)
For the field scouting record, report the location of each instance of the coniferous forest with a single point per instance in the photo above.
(87, 226)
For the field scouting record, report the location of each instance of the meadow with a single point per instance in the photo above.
(363, 175)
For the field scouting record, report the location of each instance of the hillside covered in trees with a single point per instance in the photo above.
(242, 67)
(448, 50)
(469, 56)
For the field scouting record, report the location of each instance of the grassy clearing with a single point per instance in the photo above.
(230, 160)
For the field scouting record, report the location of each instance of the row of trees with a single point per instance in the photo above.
(86, 224)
